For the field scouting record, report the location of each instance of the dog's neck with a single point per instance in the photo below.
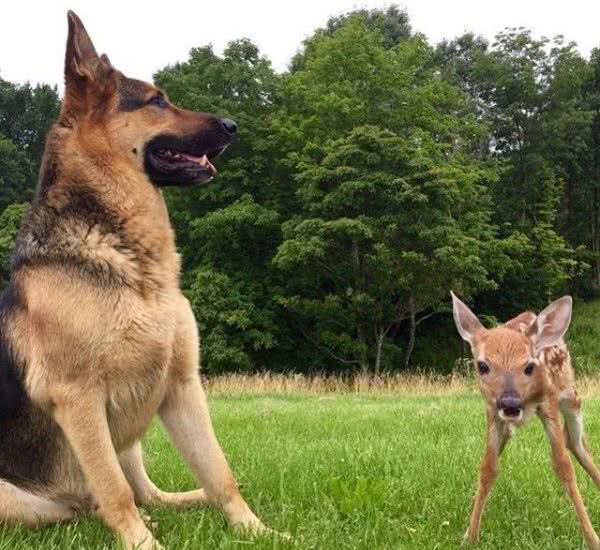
(106, 221)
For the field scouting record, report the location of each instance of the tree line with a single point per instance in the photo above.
(376, 174)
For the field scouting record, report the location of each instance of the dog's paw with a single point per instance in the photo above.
(149, 543)
(141, 539)
(259, 529)
(147, 519)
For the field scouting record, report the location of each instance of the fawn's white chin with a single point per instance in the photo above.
(510, 418)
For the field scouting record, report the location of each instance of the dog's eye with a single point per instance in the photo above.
(529, 369)
(158, 101)
(482, 367)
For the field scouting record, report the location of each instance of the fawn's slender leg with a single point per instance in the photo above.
(144, 489)
(575, 436)
(565, 471)
(498, 433)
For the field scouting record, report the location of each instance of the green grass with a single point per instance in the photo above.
(584, 337)
(351, 471)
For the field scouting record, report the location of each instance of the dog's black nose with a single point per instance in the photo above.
(510, 403)
(229, 125)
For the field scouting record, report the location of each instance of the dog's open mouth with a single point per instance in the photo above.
(173, 159)
(168, 165)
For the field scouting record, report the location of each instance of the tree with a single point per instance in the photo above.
(591, 199)
(231, 290)
(243, 86)
(350, 88)
(10, 220)
(26, 114)
(392, 23)
(351, 79)
(16, 174)
(529, 92)
(229, 231)
(391, 224)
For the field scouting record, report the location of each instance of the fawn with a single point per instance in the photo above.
(524, 367)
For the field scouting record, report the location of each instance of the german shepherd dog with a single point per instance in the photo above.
(95, 334)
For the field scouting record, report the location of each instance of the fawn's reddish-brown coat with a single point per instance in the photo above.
(524, 368)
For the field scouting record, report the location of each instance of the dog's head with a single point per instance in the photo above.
(115, 116)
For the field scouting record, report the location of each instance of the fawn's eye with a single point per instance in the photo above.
(529, 369)
(158, 101)
(482, 367)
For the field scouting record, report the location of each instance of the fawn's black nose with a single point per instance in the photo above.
(229, 125)
(510, 404)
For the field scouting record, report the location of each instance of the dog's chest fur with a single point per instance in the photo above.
(100, 293)
(138, 374)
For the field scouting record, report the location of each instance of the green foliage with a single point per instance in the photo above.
(16, 174)
(394, 208)
(365, 183)
(391, 225)
(232, 325)
(230, 294)
(26, 114)
(531, 94)
(350, 79)
(10, 219)
(228, 231)
(392, 23)
(243, 86)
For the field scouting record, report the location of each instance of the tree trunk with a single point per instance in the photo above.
(412, 331)
(595, 237)
(378, 357)
(363, 359)
(360, 331)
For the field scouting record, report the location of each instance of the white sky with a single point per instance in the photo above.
(143, 36)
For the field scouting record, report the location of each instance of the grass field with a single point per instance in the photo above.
(358, 470)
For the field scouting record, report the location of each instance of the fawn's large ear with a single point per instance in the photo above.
(466, 321)
(522, 322)
(85, 70)
(551, 324)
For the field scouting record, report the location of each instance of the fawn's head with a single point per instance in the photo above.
(508, 357)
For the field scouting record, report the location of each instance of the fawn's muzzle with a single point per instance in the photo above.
(510, 405)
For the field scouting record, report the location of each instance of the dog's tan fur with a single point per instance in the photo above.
(98, 331)
(548, 390)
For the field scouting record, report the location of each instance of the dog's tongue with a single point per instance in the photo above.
(202, 161)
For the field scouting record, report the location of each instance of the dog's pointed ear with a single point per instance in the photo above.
(466, 321)
(85, 70)
(81, 58)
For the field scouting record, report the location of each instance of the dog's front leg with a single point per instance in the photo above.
(82, 416)
(185, 415)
